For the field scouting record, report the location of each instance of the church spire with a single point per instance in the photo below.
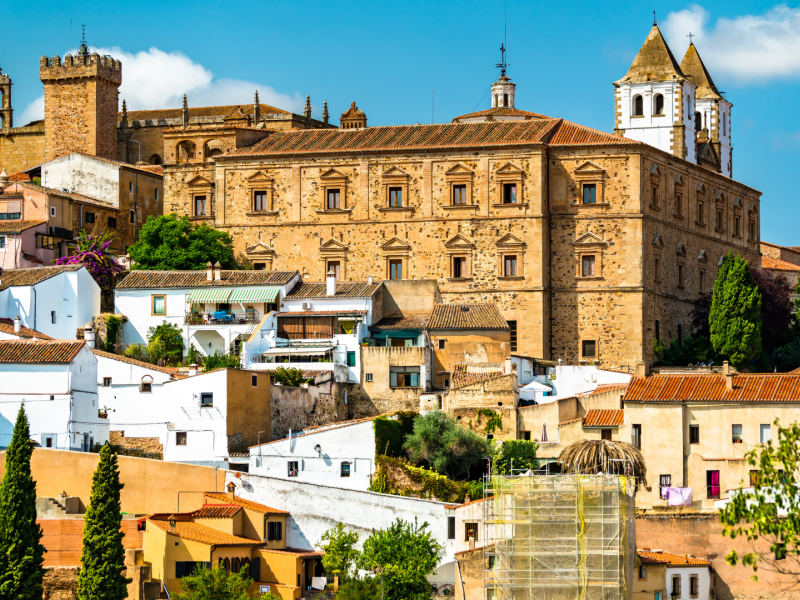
(654, 62)
(325, 115)
(307, 110)
(124, 122)
(256, 110)
(185, 112)
(695, 70)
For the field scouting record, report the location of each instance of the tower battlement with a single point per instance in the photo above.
(80, 66)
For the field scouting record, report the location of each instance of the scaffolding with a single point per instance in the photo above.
(559, 537)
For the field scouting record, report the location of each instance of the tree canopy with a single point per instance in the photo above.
(217, 584)
(170, 242)
(516, 454)
(165, 342)
(338, 544)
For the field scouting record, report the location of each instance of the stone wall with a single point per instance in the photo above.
(21, 147)
(60, 583)
(377, 396)
(298, 408)
(146, 447)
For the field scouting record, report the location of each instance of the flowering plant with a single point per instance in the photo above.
(92, 251)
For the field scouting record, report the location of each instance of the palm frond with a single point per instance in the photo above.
(603, 456)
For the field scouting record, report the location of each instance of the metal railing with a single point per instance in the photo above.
(222, 318)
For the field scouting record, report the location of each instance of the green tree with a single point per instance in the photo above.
(338, 544)
(290, 377)
(755, 515)
(165, 342)
(445, 446)
(172, 243)
(359, 589)
(519, 453)
(735, 317)
(795, 328)
(21, 548)
(405, 553)
(103, 556)
(217, 584)
(221, 360)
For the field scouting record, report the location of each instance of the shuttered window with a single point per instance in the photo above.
(305, 328)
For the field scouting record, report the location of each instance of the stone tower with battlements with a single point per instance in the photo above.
(6, 113)
(80, 104)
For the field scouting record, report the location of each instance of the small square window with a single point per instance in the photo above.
(112, 222)
(605, 434)
(345, 470)
(145, 387)
(470, 531)
(293, 468)
(207, 399)
(460, 193)
(589, 193)
(396, 197)
(367, 376)
(589, 348)
(254, 380)
(89, 217)
(694, 434)
(442, 344)
(509, 193)
(106, 381)
(52, 211)
(180, 438)
(526, 435)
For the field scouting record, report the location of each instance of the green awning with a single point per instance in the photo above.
(210, 295)
(254, 295)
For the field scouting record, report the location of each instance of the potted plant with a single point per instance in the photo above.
(102, 412)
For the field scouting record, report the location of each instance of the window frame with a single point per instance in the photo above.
(395, 196)
(260, 200)
(459, 194)
(761, 430)
(112, 223)
(636, 435)
(459, 265)
(153, 298)
(106, 381)
(589, 187)
(206, 399)
(344, 469)
(587, 344)
(510, 265)
(333, 194)
(735, 435)
(181, 438)
(203, 198)
(471, 527)
(694, 434)
(296, 469)
(588, 259)
(404, 376)
(393, 264)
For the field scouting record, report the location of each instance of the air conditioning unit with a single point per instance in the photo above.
(306, 305)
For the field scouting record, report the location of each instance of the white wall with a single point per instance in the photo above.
(84, 175)
(704, 582)
(354, 443)
(316, 508)
(123, 376)
(571, 380)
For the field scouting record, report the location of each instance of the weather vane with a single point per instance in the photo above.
(655, 21)
(502, 64)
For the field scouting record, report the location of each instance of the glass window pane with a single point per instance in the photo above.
(765, 434)
(158, 305)
(393, 379)
(414, 379)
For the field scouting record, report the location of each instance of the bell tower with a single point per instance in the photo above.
(503, 90)
(81, 95)
(6, 112)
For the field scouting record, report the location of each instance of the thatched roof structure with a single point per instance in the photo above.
(603, 456)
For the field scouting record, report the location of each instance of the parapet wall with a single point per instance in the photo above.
(81, 65)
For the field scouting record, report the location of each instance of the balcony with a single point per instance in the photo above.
(222, 317)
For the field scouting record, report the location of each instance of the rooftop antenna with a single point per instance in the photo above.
(502, 65)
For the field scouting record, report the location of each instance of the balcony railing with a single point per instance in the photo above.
(222, 318)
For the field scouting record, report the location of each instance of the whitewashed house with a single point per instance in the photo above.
(320, 326)
(215, 309)
(338, 455)
(565, 381)
(56, 381)
(687, 577)
(55, 300)
(12, 329)
(204, 419)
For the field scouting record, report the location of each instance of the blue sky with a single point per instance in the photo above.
(388, 56)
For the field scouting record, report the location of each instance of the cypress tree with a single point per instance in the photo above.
(735, 316)
(21, 549)
(103, 557)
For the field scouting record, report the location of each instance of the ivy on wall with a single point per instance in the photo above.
(391, 472)
(493, 420)
(391, 433)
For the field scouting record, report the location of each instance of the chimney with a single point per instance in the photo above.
(192, 369)
(331, 283)
(641, 369)
(507, 365)
(209, 271)
(17, 325)
(172, 522)
(472, 542)
(231, 490)
(726, 371)
(88, 336)
(370, 280)
(217, 272)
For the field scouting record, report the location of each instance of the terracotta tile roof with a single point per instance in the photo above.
(157, 169)
(22, 277)
(603, 418)
(19, 176)
(198, 111)
(45, 351)
(218, 127)
(321, 313)
(647, 557)
(778, 387)
(478, 549)
(797, 371)
(174, 371)
(309, 374)
(466, 316)
(18, 226)
(192, 279)
(404, 322)
(502, 112)
(344, 289)
(32, 258)
(485, 134)
(320, 429)
(201, 533)
(71, 195)
(246, 504)
(294, 552)
(217, 511)
(607, 387)
(777, 264)
(7, 326)
(460, 377)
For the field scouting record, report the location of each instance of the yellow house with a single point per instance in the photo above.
(237, 534)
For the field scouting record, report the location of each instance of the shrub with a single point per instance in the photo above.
(520, 453)
(221, 360)
(390, 434)
(290, 377)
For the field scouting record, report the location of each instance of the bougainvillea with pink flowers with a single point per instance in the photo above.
(92, 251)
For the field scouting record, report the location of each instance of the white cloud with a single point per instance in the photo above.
(157, 79)
(748, 47)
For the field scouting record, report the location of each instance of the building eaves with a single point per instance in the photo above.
(173, 371)
(7, 326)
(648, 557)
(39, 351)
(604, 418)
(19, 226)
(751, 388)
(466, 316)
(203, 534)
(344, 289)
(249, 504)
(34, 275)
(192, 279)
(778, 265)
(502, 112)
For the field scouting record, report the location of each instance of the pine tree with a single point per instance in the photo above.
(103, 557)
(21, 549)
(735, 316)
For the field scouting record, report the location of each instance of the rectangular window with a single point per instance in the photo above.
(657, 269)
(260, 200)
(755, 478)
(636, 436)
(736, 434)
(396, 197)
(367, 376)
(509, 193)
(766, 434)
(336, 267)
(156, 195)
(254, 380)
(676, 586)
(159, 306)
(752, 233)
(441, 344)
(589, 193)
(587, 266)
(293, 469)
(199, 206)
(52, 211)
(334, 199)
(736, 231)
(345, 469)
(207, 399)
(274, 531)
(701, 213)
(89, 217)
(510, 266)
(48, 442)
(694, 434)
(719, 220)
(680, 276)
(112, 222)
(460, 194)
(133, 217)
(512, 331)
(53, 317)
(712, 485)
(655, 197)
(658, 329)
(459, 266)
(642, 572)
(664, 481)
(605, 434)
(589, 348)
(145, 387)
(658, 595)
(351, 358)
(130, 187)
(180, 438)
(403, 377)
(680, 334)
(702, 282)
(395, 269)
(470, 531)
(678, 204)
(2, 242)
(451, 528)
(106, 381)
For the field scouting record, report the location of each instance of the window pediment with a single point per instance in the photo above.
(737, 202)
(333, 245)
(510, 171)
(259, 178)
(719, 196)
(200, 182)
(459, 242)
(509, 240)
(589, 239)
(679, 179)
(395, 173)
(701, 188)
(395, 244)
(590, 168)
(658, 241)
(681, 251)
(259, 249)
(703, 257)
(333, 175)
(459, 172)
(751, 207)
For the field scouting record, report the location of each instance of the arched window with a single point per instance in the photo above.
(698, 121)
(155, 159)
(185, 151)
(659, 104)
(638, 106)
(227, 564)
(214, 148)
(236, 565)
(246, 566)
(505, 99)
